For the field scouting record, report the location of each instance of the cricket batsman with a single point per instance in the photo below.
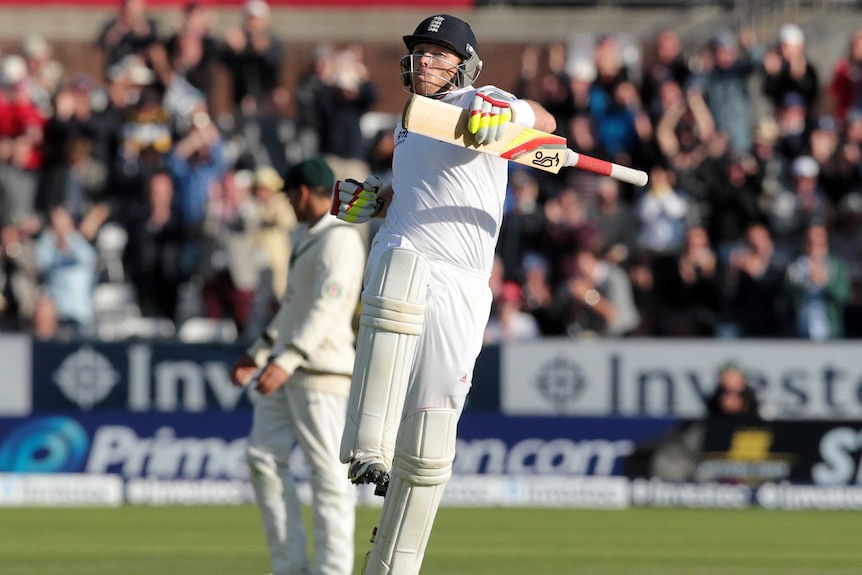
(426, 297)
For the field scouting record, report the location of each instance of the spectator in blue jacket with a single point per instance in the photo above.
(68, 266)
(732, 59)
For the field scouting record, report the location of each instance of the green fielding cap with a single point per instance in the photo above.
(312, 172)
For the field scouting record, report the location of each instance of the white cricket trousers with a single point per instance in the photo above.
(459, 304)
(316, 421)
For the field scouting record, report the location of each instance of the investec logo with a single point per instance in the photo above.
(641, 379)
(561, 381)
(86, 377)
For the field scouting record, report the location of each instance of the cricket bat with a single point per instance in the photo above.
(540, 150)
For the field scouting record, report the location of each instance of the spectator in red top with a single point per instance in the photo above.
(845, 89)
(21, 123)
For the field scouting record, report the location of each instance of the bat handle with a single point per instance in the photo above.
(333, 207)
(605, 168)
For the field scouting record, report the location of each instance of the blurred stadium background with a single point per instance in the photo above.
(136, 410)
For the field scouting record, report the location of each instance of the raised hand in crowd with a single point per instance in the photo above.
(253, 57)
(753, 258)
(128, 33)
(787, 69)
(697, 260)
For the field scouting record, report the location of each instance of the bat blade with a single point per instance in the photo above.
(448, 123)
(526, 146)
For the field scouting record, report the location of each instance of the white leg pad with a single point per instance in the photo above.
(393, 312)
(422, 466)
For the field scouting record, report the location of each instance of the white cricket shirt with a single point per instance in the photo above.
(448, 200)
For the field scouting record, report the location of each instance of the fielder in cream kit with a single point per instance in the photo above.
(300, 367)
(426, 298)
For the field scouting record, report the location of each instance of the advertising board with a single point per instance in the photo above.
(15, 394)
(138, 377)
(170, 458)
(653, 378)
(493, 444)
(824, 453)
(145, 377)
(157, 459)
(109, 458)
(794, 380)
(60, 490)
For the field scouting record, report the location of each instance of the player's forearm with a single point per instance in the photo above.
(262, 348)
(288, 359)
(385, 193)
(544, 121)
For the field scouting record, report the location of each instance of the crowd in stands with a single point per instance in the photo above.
(751, 223)
(128, 208)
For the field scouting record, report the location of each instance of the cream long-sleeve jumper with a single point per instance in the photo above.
(312, 331)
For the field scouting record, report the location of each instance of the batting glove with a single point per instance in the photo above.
(356, 202)
(490, 111)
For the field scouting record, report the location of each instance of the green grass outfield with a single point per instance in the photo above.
(228, 541)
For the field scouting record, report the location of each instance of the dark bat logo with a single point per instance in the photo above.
(546, 161)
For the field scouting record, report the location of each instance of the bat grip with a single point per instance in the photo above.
(336, 203)
(605, 168)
